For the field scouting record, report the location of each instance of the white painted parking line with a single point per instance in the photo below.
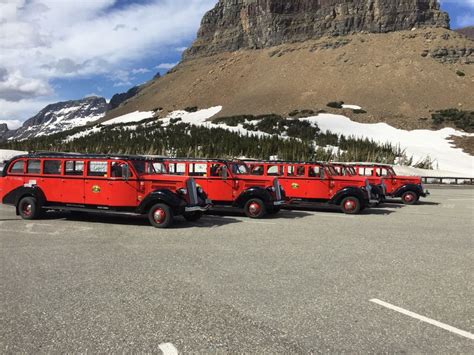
(461, 199)
(168, 349)
(444, 326)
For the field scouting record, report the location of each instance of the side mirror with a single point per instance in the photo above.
(125, 172)
(224, 172)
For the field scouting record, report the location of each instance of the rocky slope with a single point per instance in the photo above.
(467, 31)
(255, 24)
(399, 78)
(59, 117)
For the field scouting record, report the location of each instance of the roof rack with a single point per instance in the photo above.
(262, 161)
(207, 160)
(47, 154)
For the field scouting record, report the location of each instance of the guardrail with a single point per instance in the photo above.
(430, 180)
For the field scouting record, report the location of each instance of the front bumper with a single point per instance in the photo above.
(200, 208)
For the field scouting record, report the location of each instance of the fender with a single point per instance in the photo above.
(14, 196)
(254, 192)
(409, 187)
(347, 192)
(162, 196)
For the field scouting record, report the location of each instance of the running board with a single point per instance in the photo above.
(90, 210)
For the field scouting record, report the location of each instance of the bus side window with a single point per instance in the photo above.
(257, 170)
(52, 167)
(216, 170)
(314, 171)
(197, 169)
(74, 168)
(97, 168)
(300, 171)
(275, 170)
(33, 167)
(18, 167)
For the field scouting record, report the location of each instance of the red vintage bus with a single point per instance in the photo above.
(119, 184)
(230, 185)
(309, 184)
(408, 188)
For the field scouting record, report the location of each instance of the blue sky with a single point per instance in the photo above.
(54, 50)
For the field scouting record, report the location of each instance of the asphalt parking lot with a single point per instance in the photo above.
(307, 281)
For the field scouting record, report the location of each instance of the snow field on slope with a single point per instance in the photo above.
(418, 143)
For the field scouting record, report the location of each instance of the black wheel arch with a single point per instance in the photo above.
(254, 192)
(350, 191)
(15, 195)
(408, 187)
(172, 199)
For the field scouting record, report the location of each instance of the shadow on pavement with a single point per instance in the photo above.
(103, 218)
(393, 203)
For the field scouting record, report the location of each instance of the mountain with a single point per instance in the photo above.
(3, 130)
(59, 117)
(396, 59)
(118, 99)
(234, 25)
(467, 31)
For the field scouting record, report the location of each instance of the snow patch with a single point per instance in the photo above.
(418, 143)
(352, 107)
(6, 154)
(136, 116)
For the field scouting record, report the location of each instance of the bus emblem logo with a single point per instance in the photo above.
(96, 189)
(295, 186)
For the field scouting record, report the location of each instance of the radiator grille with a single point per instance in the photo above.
(192, 191)
(276, 185)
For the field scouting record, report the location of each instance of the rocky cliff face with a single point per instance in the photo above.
(255, 24)
(60, 116)
(467, 31)
(3, 130)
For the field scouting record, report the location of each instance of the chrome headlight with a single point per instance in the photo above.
(183, 191)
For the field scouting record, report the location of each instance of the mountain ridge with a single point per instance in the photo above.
(58, 117)
(255, 24)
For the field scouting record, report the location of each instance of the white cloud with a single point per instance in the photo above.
(166, 66)
(21, 110)
(41, 40)
(11, 124)
(140, 71)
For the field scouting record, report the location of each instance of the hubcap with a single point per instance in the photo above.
(159, 215)
(350, 205)
(409, 197)
(26, 209)
(254, 208)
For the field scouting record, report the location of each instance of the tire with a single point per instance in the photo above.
(29, 208)
(351, 205)
(255, 208)
(193, 216)
(160, 216)
(410, 198)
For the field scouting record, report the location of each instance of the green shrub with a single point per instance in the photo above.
(461, 119)
(460, 73)
(335, 104)
(234, 120)
(191, 109)
(359, 111)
